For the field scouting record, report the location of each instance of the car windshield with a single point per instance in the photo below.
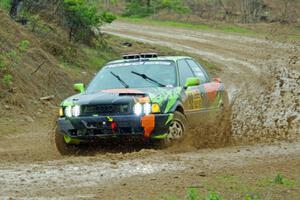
(142, 74)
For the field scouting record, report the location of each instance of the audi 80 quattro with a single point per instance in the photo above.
(143, 95)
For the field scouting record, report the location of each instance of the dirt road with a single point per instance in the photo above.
(263, 78)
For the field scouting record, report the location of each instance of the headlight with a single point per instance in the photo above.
(68, 111)
(72, 111)
(145, 108)
(76, 111)
(138, 109)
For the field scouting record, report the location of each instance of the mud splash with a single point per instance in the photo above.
(269, 110)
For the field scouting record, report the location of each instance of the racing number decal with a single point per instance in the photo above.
(194, 99)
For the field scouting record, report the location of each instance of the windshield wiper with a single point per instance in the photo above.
(119, 79)
(144, 76)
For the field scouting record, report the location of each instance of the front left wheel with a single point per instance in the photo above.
(177, 128)
(64, 144)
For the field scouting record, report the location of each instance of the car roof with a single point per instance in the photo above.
(160, 58)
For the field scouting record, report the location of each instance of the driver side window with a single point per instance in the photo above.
(198, 71)
(184, 71)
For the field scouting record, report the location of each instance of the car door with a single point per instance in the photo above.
(210, 90)
(193, 102)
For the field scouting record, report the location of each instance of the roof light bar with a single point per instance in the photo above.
(140, 56)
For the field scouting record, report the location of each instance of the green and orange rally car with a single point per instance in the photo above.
(143, 95)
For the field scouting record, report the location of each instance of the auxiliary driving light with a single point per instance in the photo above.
(155, 108)
(147, 108)
(68, 111)
(76, 111)
(138, 109)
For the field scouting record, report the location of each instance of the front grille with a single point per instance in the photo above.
(105, 109)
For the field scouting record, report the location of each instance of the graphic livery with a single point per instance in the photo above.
(139, 96)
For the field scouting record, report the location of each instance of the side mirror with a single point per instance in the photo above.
(192, 81)
(79, 87)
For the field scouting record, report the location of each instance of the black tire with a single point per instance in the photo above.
(62, 147)
(181, 122)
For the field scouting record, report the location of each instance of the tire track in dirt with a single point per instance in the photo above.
(81, 177)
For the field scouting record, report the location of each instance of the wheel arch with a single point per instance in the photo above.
(179, 107)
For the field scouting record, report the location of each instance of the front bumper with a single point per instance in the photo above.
(93, 127)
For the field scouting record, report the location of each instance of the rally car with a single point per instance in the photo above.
(143, 96)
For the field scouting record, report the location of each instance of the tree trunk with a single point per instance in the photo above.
(14, 8)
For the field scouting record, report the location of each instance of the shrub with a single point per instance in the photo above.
(281, 180)
(107, 17)
(5, 4)
(7, 79)
(213, 196)
(80, 17)
(23, 45)
(192, 194)
(137, 8)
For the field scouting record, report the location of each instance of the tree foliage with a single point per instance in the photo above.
(80, 17)
(143, 8)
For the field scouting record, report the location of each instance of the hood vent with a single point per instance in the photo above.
(132, 94)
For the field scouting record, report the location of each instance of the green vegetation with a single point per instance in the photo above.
(252, 197)
(2, 64)
(24, 45)
(12, 55)
(293, 34)
(227, 186)
(192, 194)
(137, 8)
(281, 180)
(80, 17)
(7, 79)
(108, 17)
(226, 28)
(5, 4)
(213, 196)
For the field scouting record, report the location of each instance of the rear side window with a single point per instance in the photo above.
(184, 71)
(198, 71)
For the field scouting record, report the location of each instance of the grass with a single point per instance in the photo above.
(281, 180)
(7, 79)
(193, 194)
(225, 28)
(24, 45)
(292, 33)
(5, 4)
(227, 186)
(2, 64)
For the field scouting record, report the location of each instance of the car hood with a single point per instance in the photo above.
(165, 97)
